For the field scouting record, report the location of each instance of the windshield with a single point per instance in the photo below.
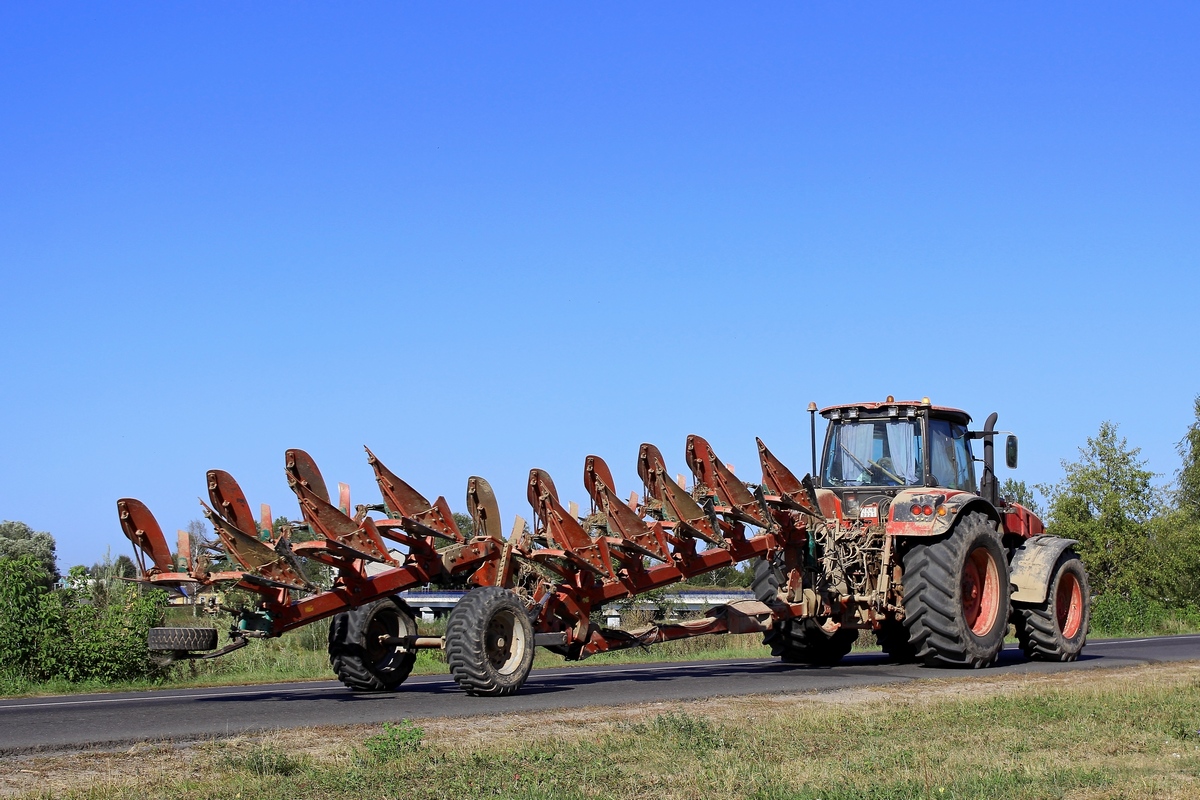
(874, 453)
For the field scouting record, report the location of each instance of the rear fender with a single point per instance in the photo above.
(1032, 567)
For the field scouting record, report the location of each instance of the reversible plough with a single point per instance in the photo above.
(830, 561)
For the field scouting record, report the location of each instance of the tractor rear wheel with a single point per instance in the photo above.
(489, 642)
(359, 652)
(798, 641)
(956, 600)
(1056, 630)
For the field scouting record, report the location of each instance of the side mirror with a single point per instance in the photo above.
(1010, 451)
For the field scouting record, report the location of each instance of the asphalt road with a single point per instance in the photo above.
(67, 722)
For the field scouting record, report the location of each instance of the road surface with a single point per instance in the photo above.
(68, 722)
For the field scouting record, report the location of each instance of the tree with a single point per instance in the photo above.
(1187, 491)
(18, 539)
(1106, 500)
(120, 567)
(465, 524)
(1017, 492)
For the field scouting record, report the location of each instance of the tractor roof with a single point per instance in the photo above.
(875, 408)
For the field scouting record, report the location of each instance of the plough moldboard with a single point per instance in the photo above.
(539, 586)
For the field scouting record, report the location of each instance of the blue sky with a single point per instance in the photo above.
(482, 239)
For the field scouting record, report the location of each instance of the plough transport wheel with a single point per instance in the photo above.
(1056, 630)
(489, 642)
(178, 639)
(359, 650)
(956, 596)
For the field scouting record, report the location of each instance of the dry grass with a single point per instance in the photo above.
(1128, 733)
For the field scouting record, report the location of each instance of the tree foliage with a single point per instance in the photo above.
(1187, 487)
(1107, 500)
(18, 539)
(1017, 492)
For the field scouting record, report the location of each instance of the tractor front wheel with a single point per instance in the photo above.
(489, 642)
(798, 641)
(363, 649)
(956, 601)
(1056, 630)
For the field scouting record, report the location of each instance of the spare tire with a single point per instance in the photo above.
(182, 639)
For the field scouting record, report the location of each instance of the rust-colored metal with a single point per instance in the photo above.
(403, 501)
(572, 541)
(230, 502)
(714, 478)
(143, 530)
(263, 564)
(632, 534)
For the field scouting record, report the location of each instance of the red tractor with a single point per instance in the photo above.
(916, 546)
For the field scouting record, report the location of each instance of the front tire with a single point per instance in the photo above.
(798, 641)
(358, 656)
(956, 596)
(1056, 630)
(489, 642)
(893, 640)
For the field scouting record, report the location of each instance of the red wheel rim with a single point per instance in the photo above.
(1068, 605)
(981, 591)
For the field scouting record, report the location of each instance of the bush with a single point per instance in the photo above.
(1137, 615)
(87, 630)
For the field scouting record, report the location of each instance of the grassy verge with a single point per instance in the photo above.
(1096, 734)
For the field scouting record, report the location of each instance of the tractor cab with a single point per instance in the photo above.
(878, 450)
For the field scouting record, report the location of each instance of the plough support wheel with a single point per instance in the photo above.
(489, 642)
(363, 649)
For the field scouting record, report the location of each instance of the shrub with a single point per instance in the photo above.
(87, 630)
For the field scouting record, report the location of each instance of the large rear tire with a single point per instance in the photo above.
(1056, 630)
(357, 652)
(956, 601)
(798, 641)
(489, 642)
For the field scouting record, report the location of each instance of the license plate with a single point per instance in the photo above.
(869, 512)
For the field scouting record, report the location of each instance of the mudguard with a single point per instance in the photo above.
(1032, 567)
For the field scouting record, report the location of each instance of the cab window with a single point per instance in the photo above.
(950, 460)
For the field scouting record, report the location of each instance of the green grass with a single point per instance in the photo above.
(1116, 734)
